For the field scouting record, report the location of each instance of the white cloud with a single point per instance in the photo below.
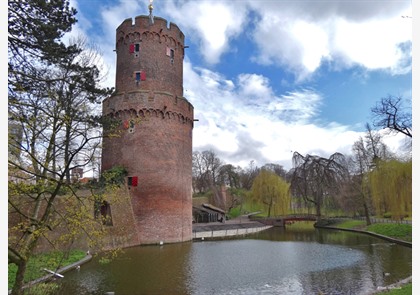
(210, 23)
(314, 41)
(375, 44)
(268, 130)
(299, 35)
(256, 87)
(297, 106)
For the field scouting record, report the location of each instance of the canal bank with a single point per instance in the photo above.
(389, 239)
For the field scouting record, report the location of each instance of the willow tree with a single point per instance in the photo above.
(271, 190)
(314, 178)
(391, 187)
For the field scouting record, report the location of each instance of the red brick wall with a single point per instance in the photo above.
(157, 145)
(161, 73)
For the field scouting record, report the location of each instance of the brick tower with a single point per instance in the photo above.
(155, 145)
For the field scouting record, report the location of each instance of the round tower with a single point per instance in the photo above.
(155, 140)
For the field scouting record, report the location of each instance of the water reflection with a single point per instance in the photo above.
(275, 261)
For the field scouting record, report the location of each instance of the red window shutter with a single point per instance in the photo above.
(143, 76)
(134, 181)
(168, 51)
(131, 48)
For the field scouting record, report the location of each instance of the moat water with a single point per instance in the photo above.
(274, 261)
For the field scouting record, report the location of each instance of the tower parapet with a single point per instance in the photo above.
(149, 56)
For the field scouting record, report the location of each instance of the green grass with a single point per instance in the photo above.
(405, 290)
(351, 224)
(234, 212)
(49, 288)
(393, 230)
(50, 261)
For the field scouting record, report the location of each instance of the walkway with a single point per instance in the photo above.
(241, 225)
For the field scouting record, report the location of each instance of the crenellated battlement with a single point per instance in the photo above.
(142, 25)
(147, 113)
(135, 36)
(144, 102)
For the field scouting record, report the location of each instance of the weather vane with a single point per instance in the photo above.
(151, 21)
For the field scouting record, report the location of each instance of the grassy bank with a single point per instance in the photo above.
(405, 290)
(394, 230)
(50, 261)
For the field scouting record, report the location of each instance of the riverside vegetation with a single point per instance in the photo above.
(36, 265)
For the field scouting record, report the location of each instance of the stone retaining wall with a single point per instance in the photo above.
(228, 232)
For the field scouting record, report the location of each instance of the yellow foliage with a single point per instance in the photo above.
(270, 189)
(391, 187)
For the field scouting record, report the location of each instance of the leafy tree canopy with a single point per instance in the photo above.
(271, 190)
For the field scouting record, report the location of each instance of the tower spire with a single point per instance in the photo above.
(151, 21)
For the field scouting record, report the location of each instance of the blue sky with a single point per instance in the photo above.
(268, 78)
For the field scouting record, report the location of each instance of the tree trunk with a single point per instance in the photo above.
(18, 286)
(368, 222)
(318, 211)
(269, 207)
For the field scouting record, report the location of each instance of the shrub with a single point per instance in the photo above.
(387, 215)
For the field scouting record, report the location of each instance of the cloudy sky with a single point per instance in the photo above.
(268, 78)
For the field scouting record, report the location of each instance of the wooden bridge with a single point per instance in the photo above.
(284, 219)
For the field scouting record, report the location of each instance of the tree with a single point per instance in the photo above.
(376, 149)
(206, 169)
(367, 152)
(34, 32)
(362, 162)
(314, 178)
(391, 185)
(248, 175)
(271, 190)
(391, 114)
(52, 91)
(228, 174)
(276, 168)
